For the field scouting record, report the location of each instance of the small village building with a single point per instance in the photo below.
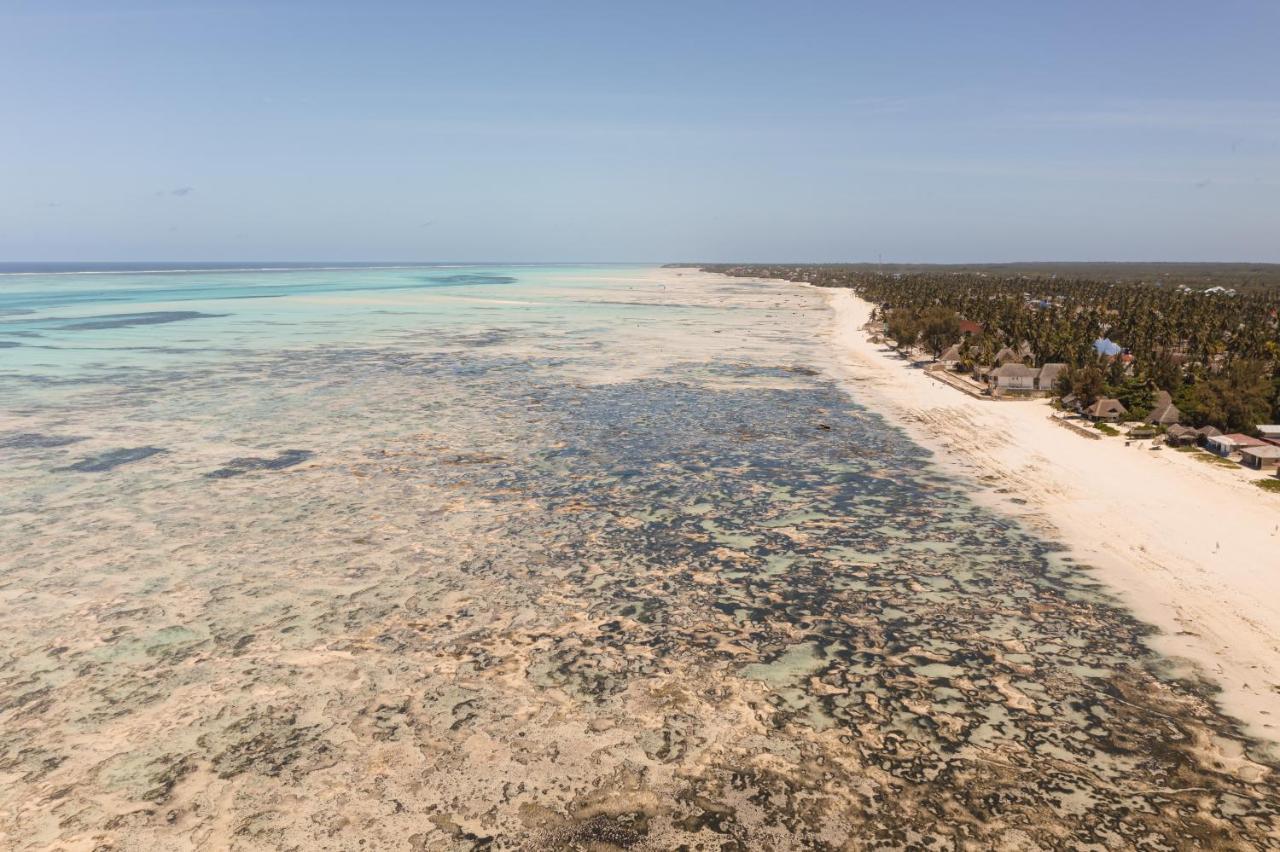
(1013, 377)
(1261, 457)
(1204, 433)
(1180, 436)
(1048, 377)
(1270, 433)
(1107, 409)
(1164, 412)
(951, 357)
(1006, 356)
(1225, 445)
(968, 327)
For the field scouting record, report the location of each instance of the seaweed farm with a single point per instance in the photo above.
(541, 558)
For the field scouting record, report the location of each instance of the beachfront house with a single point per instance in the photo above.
(1234, 442)
(1270, 433)
(1164, 412)
(1005, 356)
(1261, 458)
(1204, 433)
(1107, 409)
(1012, 378)
(951, 357)
(1048, 377)
(1180, 436)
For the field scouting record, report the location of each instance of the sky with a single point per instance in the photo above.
(600, 131)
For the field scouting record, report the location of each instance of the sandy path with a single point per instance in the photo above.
(1192, 548)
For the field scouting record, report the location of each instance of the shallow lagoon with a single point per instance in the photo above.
(538, 558)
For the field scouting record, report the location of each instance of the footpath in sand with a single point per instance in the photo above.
(1191, 548)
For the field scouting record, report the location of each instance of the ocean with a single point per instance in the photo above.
(539, 557)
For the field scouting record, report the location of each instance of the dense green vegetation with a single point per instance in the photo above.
(1217, 353)
(1242, 277)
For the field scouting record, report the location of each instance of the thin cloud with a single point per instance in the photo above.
(179, 192)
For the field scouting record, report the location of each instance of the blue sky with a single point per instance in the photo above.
(640, 131)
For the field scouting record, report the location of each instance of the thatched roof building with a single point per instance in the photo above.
(1049, 376)
(1164, 412)
(1106, 409)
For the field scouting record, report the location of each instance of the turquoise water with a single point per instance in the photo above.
(539, 558)
(78, 323)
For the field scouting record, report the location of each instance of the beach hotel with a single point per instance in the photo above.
(1106, 409)
(1261, 457)
(1225, 445)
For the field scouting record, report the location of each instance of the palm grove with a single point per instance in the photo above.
(1216, 352)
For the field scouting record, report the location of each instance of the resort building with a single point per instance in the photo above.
(1270, 433)
(1180, 436)
(1261, 458)
(1225, 445)
(951, 357)
(1049, 376)
(1106, 409)
(1164, 412)
(1005, 356)
(1204, 433)
(1018, 378)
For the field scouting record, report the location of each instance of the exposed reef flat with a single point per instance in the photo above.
(624, 580)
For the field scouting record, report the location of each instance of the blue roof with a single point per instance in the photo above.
(1106, 347)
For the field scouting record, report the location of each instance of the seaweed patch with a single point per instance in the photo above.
(112, 459)
(241, 466)
(36, 441)
(109, 321)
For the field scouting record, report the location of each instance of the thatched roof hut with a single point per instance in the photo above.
(1164, 412)
(1107, 409)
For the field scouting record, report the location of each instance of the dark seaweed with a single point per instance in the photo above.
(127, 320)
(36, 441)
(240, 466)
(112, 459)
(467, 279)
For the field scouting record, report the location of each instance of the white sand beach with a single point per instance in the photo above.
(1191, 548)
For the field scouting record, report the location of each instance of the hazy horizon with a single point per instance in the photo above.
(16, 266)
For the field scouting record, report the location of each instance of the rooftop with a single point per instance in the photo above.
(1240, 440)
(1012, 370)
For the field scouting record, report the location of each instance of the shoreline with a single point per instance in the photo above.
(1183, 548)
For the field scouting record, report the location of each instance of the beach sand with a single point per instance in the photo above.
(1191, 548)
